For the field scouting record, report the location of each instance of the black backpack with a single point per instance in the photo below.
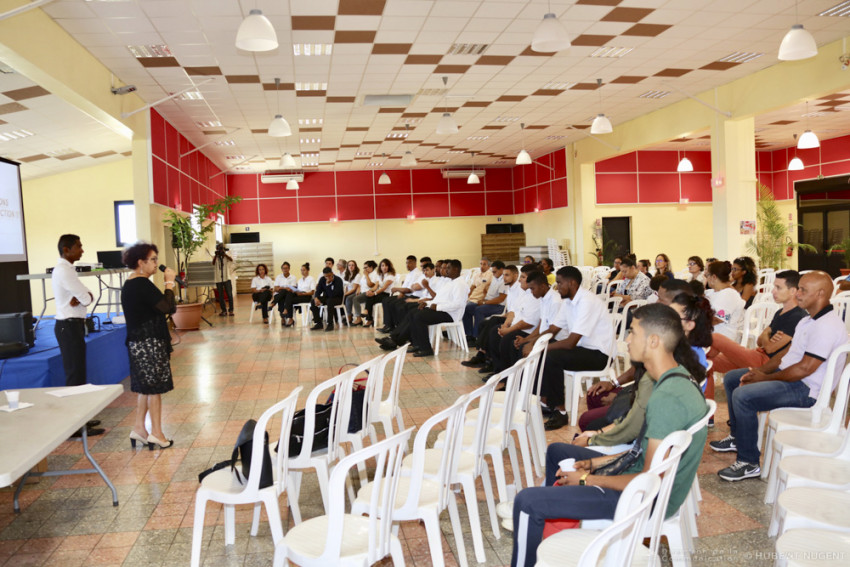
(242, 451)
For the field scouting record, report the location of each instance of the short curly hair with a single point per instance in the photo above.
(136, 253)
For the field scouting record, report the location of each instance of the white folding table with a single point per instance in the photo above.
(30, 434)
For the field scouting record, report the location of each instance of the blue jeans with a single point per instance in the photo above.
(745, 402)
(539, 503)
(472, 323)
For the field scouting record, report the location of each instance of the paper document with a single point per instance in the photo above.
(21, 405)
(74, 390)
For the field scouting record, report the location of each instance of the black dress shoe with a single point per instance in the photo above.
(316, 327)
(420, 353)
(329, 328)
(486, 369)
(385, 329)
(556, 421)
(475, 361)
(386, 343)
(412, 349)
(93, 423)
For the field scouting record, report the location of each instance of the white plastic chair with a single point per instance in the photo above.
(810, 507)
(573, 380)
(254, 305)
(836, 282)
(338, 538)
(471, 465)
(614, 546)
(322, 459)
(224, 487)
(456, 334)
(812, 548)
(756, 318)
(622, 329)
(388, 408)
(421, 498)
(304, 310)
(369, 408)
(840, 303)
(814, 418)
(613, 287)
(341, 314)
(763, 293)
(792, 442)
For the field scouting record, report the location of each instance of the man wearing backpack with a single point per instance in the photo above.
(675, 404)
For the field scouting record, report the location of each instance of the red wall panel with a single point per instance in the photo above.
(616, 188)
(159, 177)
(157, 135)
(433, 205)
(625, 163)
(559, 193)
(499, 179)
(359, 207)
(399, 182)
(244, 186)
(652, 161)
(467, 204)
(245, 212)
(311, 209)
(500, 203)
(461, 186)
(544, 195)
(560, 163)
(392, 206)
(658, 187)
(701, 161)
(278, 210)
(354, 183)
(696, 187)
(429, 181)
(835, 149)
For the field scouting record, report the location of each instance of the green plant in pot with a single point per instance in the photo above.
(771, 239)
(844, 247)
(187, 238)
(605, 248)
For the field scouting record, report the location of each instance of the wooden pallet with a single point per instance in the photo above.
(502, 246)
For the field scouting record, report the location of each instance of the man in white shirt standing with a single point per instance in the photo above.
(72, 298)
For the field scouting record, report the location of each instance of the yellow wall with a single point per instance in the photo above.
(312, 242)
(78, 202)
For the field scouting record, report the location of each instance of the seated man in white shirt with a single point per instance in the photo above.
(491, 304)
(400, 293)
(587, 347)
(539, 303)
(400, 312)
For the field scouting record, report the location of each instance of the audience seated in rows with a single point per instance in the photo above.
(261, 287)
(491, 303)
(744, 278)
(636, 284)
(329, 292)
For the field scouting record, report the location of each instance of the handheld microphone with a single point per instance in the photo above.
(178, 279)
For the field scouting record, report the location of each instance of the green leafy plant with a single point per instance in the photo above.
(187, 237)
(605, 249)
(844, 246)
(772, 238)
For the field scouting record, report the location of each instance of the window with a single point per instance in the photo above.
(125, 223)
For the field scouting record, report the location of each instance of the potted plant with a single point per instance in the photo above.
(188, 236)
(844, 248)
(772, 240)
(604, 247)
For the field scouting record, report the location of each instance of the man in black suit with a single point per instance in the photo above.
(329, 292)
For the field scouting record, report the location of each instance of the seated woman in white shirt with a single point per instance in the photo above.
(351, 279)
(368, 282)
(303, 294)
(261, 290)
(727, 303)
(386, 277)
(284, 284)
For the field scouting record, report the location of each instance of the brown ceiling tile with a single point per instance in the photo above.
(836, 96)
(343, 161)
(350, 146)
(385, 110)
(680, 140)
(494, 59)
(671, 72)
(628, 79)
(361, 7)
(443, 147)
(782, 122)
(213, 132)
(429, 145)
(422, 59)
(357, 129)
(328, 149)
(627, 14)
(25, 93)
(584, 87)
(313, 22)
(391, 48)
(547, 92)
(590, 40)
(358, 36)
(348, 99)
(203, 71)
(283, 87)
(707, 137)
(598, 2)
(127, 153)
(492, 127)
(719, 66)
(311, 93)
(103, 154)
(529, 52)
(372, 142)
(646, 30)
(414, 115)
(412, 142)
(511, 98)
(476, 104)
(452, 69)
(69, 156)
(35, 157)
(580, 126)
(10, 107)
(304, 130)
(260, 131)
(158, 61)
(536, 126)
(242, 79)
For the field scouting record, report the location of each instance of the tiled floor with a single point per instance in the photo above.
(232, 372)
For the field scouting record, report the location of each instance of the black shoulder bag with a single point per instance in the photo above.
(243, 451)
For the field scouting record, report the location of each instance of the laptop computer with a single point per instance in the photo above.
(110, 258)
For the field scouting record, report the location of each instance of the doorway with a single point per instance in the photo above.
(619, 231)
(823, 210)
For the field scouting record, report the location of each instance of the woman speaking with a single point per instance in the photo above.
(148, 340)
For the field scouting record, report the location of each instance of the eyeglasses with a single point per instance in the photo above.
(692, 264)
(154, 260)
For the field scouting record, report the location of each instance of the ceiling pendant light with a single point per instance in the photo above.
(279, 127)
(798, 43)
(551, 35)
(384, 179)
(796, 164)
(523, 158)
(473, 179)
(685, 165)
(287, 162)
(600, 124)
(447, 124)
(408, 160)
(808, 139)
(291, 185)
(256, 33)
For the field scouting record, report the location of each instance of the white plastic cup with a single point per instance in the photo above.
(567, 465)
(13, 398)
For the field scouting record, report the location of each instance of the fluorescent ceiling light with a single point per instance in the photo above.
(795, 164)
(685, 165)
(256, 33)
(308, 49)
(808, 140)
(447, 125)
(384, 179)
(601, 125)
(279, 127)
(797, 44)
(550, 36)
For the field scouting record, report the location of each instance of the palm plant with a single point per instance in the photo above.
(772, 236)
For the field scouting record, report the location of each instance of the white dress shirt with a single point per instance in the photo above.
(550, 306)
(497, 287)
(258, 283)
(66, 285)
(306, 283)
(423, 293)
(284, 282)
(514, 294)
(452, 298)
(586, 315)
(412, 278)
(527, 311)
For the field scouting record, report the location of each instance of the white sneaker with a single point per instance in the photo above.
(508, 524)
(505, 510)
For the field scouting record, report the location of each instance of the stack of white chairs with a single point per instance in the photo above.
(814, 442)
(338, 538)
(586, 276)
(766, 276)
(756, 319)
(840, 303)
(223, 485)
(423, 497)
(614, 546)
(553, 249)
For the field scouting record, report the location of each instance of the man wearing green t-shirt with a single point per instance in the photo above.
(676, 404)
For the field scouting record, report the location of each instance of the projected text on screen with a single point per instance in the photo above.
(13, 246)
